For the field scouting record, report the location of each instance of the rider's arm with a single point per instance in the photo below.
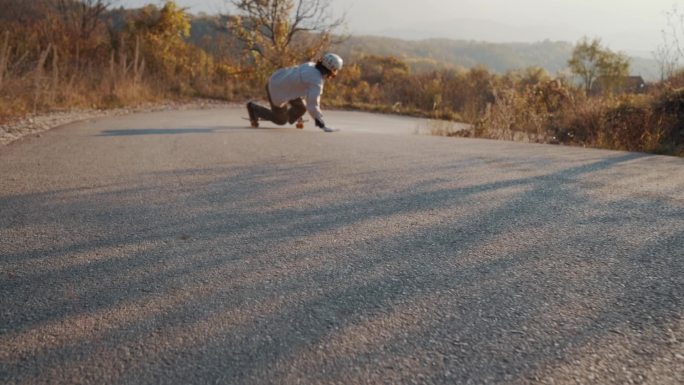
(313, 102)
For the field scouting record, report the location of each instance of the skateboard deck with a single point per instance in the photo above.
(299, 123)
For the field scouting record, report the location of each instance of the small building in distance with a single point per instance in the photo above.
(624, 85)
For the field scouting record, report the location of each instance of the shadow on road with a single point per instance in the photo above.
(174, 131)
(261, 274)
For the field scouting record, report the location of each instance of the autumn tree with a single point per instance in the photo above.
(592, 62)
(279, 33)
(378, 69)
(162, 32)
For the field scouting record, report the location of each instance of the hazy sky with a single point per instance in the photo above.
(633, 26)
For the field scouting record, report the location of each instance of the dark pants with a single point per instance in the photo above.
(293, 110)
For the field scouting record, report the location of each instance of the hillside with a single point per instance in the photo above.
(428, 54)
(498, 57)
(50, 61)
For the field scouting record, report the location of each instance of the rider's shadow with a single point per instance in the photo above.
(170, 131)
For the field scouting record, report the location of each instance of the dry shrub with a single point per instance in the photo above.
(447, 128)
(525, 115)
(551, 113)
(676, 80)
(669, 110)
(645, 123)
(46, 65)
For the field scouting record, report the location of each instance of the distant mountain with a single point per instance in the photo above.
(490, 31)
(428, 54)
(498, 57)
(479, 30)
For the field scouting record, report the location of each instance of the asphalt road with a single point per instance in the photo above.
(183, 248)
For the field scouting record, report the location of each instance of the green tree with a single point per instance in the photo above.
(279, 33)
(592, 62)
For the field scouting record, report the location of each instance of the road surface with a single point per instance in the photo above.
(180, 247)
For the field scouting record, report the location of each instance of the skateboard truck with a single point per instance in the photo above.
(251, 123)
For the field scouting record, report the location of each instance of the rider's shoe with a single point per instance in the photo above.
(253, 119)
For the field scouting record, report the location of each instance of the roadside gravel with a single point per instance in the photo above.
(35, 124)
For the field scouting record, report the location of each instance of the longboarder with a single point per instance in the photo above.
(289, 88)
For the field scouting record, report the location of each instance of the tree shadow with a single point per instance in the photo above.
(261, 275)
(170, 131)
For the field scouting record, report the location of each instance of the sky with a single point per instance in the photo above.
(630, 26)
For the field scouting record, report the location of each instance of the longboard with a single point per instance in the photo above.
(299, 123)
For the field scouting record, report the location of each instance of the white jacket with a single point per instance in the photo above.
(303, 81)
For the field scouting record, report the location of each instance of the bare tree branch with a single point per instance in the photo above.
(669, 54)
(285, 31)
(83, 16)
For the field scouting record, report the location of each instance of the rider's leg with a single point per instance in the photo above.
(296, 111)
(276, 114)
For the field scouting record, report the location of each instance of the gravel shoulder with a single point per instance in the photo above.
(36, 124)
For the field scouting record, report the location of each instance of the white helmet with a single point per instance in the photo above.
(332, 62)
